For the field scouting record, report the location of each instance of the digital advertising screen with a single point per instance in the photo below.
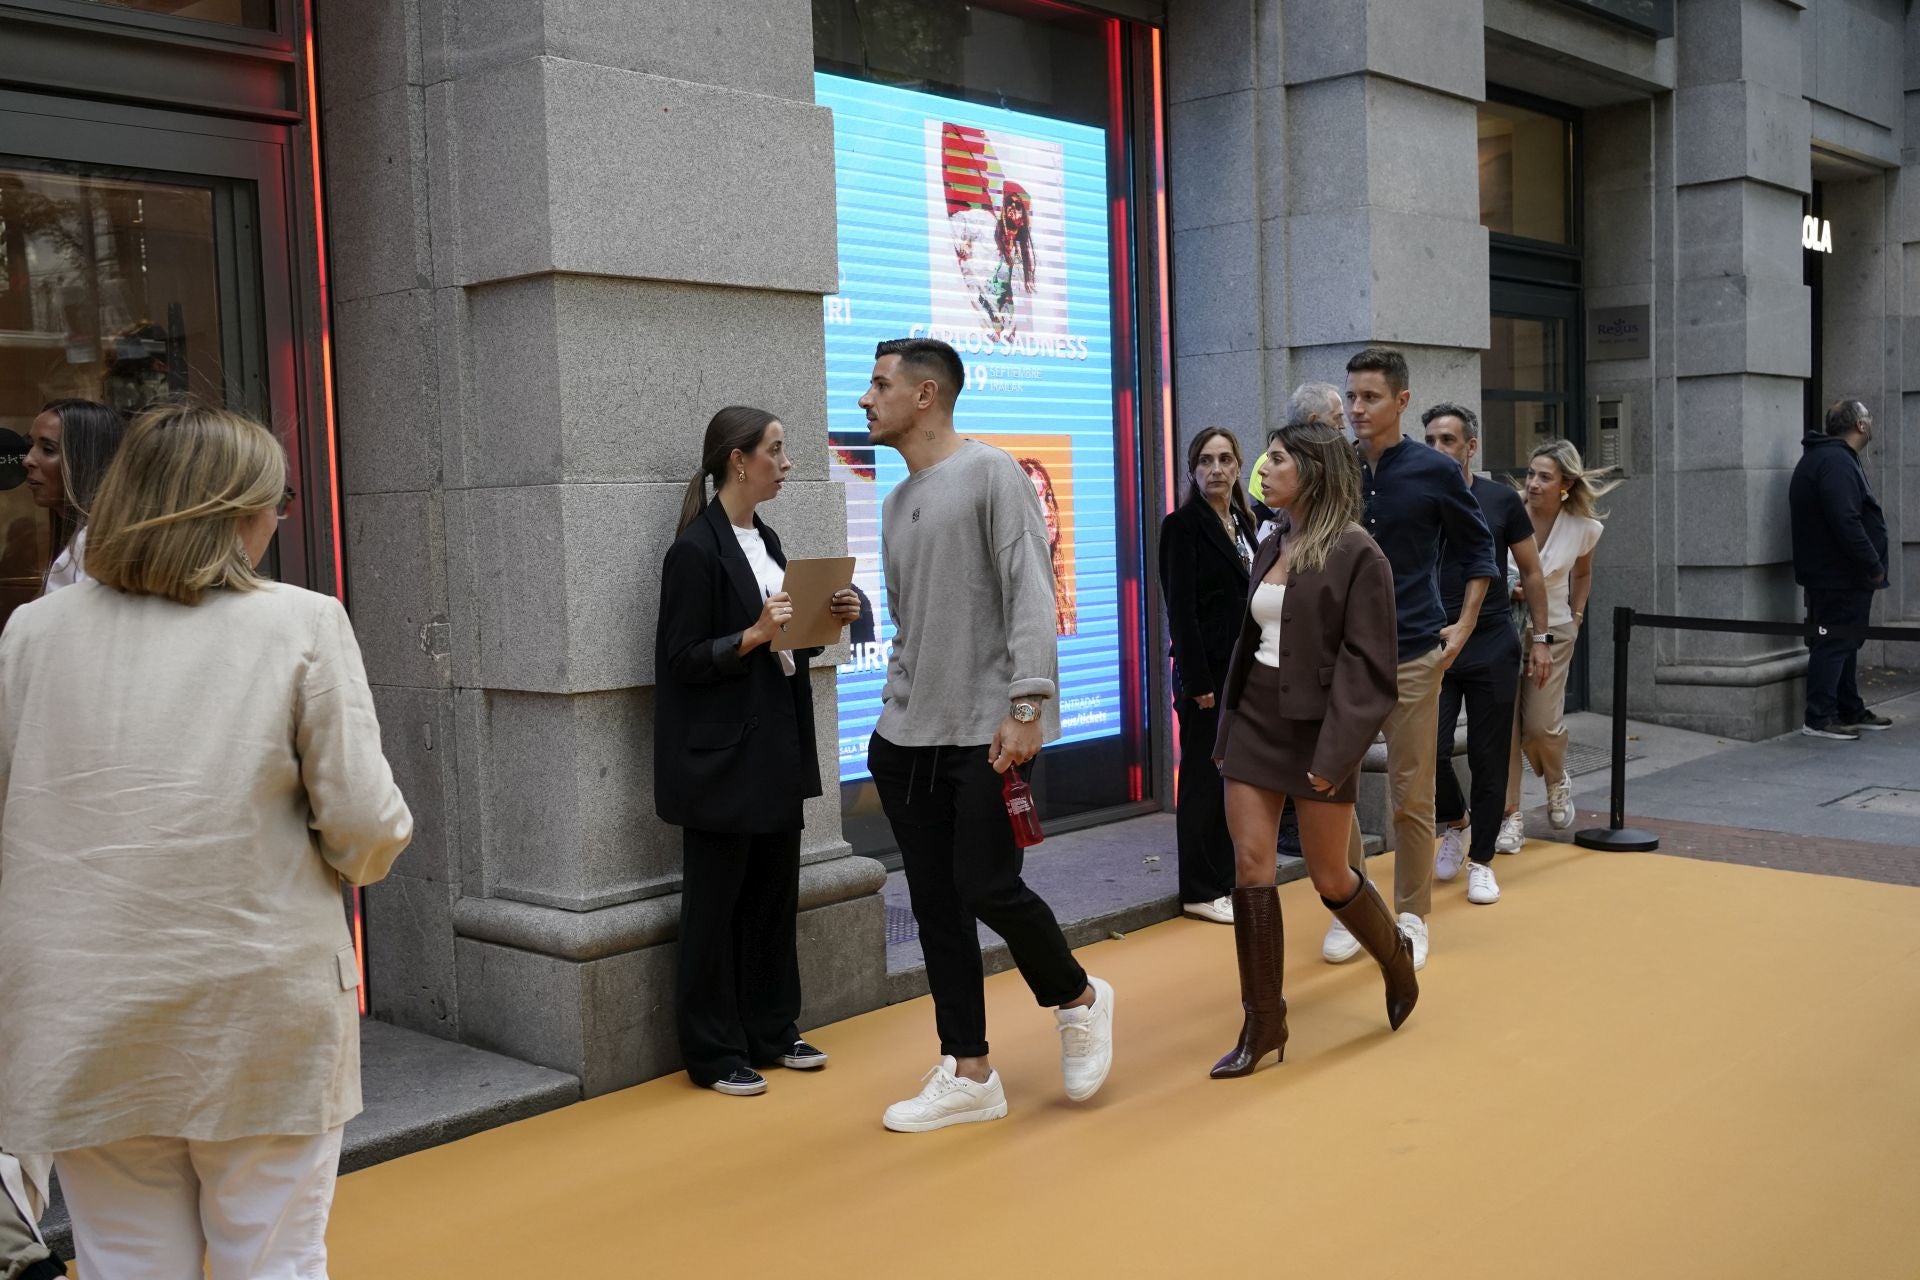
(986, 228)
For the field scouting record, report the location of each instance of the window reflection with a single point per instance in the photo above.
(1525, 159)
(254, 14)
(109, 292)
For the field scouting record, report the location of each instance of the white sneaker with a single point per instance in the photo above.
(1453, 852)
(1416, 930)
(1220, 910)
(946, 1098)
(1340, 945)
(1513, 834)
(1560, 804)
(1482, 888)
(1086, 1042)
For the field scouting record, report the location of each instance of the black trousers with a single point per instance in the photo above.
(962, 866)
(737, 984)
(1833, 689)
(1486, 677)
(1200, 817)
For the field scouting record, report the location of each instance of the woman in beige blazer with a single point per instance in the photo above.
(189, 767)
(1313, 677)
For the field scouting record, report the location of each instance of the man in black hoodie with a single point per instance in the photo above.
(1840, 558)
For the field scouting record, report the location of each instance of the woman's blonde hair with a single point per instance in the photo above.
(1328, 503)
(166, 519)
(1584, 488)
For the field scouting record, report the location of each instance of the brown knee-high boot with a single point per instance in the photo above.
(1259, 938)
(1368, 919)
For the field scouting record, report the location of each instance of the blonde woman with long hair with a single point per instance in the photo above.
(1562, 497)
(1312, 679)
(190, 767)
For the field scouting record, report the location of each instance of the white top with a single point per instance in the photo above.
(69, 566)
(1570, 538)
(1267, 599)
(769, 575)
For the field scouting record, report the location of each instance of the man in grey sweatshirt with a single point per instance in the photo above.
(971, 692)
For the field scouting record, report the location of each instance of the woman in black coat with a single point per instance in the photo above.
(734, 759)
(1205, 548)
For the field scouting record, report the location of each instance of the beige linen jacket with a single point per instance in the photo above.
(183, 791)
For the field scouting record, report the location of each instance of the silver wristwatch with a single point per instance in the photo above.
(1025, 712)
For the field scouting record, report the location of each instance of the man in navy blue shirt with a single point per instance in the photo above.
(1487, 675)
(1416, 504)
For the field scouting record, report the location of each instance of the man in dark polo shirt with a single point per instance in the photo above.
(1486, 675)
(1415, 503)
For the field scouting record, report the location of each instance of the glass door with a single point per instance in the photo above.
(1527, 374)
(136, 264)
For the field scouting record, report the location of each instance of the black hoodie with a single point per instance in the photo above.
(1839, 532)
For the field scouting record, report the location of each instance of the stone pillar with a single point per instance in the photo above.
(565, 232)
(1740, 317)
(1382, 235)
(1325, 195)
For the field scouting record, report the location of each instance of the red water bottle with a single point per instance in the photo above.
(1021, 815)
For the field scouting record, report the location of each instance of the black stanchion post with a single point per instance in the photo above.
(1617, 835)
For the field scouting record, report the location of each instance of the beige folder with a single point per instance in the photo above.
(811, 584)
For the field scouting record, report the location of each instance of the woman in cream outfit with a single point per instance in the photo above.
(1561, 496)
(189, 767)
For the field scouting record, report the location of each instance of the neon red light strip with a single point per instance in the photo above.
(332, 460)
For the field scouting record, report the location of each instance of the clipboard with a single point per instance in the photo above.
(811, 583)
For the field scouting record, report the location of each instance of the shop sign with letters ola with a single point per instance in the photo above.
(1816, 234)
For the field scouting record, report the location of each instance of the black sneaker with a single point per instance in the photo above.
(801, 1056)
(740, 1084)
(1838, 732)
(1866, 720)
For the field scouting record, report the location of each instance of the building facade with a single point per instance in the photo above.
(490, 266)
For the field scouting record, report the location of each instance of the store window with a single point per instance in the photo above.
(982, 162)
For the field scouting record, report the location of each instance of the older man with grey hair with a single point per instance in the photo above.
(1319, 402)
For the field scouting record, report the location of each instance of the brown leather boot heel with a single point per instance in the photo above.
(1259, 938)
(1367, 918)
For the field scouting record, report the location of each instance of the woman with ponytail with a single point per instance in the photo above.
(734, 760)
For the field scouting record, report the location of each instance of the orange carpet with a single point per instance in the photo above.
(1633, 1066)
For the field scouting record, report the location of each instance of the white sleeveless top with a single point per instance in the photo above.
(1267, 599)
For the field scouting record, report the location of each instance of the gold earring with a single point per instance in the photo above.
(741, 476)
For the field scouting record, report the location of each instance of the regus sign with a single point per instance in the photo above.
(1816, 234)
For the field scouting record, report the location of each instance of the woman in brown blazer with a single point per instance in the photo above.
(1311, 681)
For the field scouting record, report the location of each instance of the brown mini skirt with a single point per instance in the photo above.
(1266, 750)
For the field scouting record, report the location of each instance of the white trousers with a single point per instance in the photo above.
(151, 1208)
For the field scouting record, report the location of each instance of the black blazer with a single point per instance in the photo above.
(1205, 589)
(1339, 652)
(733, 745)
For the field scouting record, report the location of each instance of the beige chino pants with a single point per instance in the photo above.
(1540, 720)
(1412, 743)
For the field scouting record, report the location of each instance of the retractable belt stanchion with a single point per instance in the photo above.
(1617, 835)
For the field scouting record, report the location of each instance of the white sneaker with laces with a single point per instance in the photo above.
(1220, 910)
(1340, 945)
(1482, 888)
(1560, 804)
(946, 1098)
(1416, 930)
(1453, 852)
(1513, 834)
(1086, 1042)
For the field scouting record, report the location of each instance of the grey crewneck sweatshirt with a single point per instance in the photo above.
(970, 588)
